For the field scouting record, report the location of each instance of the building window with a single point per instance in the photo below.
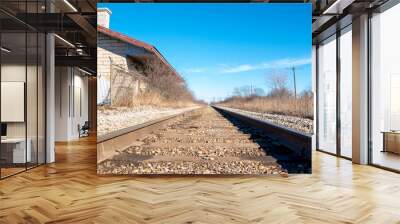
(385, 89)
(346, 92)
(327, 95)
(22, 101)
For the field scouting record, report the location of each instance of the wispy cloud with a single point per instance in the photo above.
(195, 70)
(283, 63)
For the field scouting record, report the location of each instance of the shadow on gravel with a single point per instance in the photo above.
(284, 156)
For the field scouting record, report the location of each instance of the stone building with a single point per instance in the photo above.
(120, 62)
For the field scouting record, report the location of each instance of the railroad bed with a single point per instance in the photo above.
(202, 142)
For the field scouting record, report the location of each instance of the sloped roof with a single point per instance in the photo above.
(135, 42)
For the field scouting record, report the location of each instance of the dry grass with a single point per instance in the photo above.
(163, 88)
(279, 100)
(151, 98)
(154, 98)
(300, 107)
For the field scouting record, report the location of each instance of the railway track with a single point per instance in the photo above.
(204, 141)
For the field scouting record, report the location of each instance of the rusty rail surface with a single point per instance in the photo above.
(298, 142)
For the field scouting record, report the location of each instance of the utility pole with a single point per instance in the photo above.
(294, 82)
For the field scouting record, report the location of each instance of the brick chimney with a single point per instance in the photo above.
(103, 17)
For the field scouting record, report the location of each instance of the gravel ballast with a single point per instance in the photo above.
(304, 125)
(117, 118)
(203, 142)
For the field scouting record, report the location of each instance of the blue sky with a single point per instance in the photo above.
(217, 47)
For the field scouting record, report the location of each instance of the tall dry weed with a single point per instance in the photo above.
(300, 107)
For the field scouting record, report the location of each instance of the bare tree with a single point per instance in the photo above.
(278, 85)
(246, 91)
(243, 91)
(258, 92)
(237, 92)
(277, 80)
(166, 81)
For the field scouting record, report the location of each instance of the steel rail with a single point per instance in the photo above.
(300, 143)
(110, 143)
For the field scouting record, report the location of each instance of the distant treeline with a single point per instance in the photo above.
(279, 100)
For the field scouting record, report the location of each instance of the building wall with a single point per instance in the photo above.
(14, 72)
(61, 103)
(92, 107)
(33, 127)
(80, 116)
(71, 103)
(112, 51)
